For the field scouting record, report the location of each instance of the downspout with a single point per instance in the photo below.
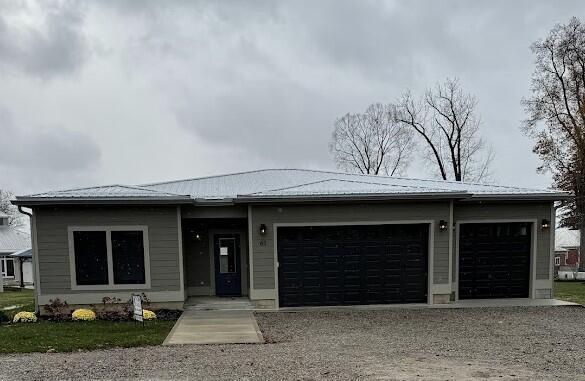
(33, 235)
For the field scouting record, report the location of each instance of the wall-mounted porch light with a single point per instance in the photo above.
(545, 224)
(442, 225)
(262, 229)
(197, 235)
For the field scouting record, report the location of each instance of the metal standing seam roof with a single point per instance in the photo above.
(289, 183)
(301, 182)
(116, 190)
(12, 240)
(26, 253)
(566, 238)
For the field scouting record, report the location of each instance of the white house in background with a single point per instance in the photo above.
(12, 241)
(23, 261)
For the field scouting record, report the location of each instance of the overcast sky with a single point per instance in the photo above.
(135, 91)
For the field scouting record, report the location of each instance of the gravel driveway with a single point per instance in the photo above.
(511, 343)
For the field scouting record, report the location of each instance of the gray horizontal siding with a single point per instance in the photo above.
(53, 247)
(516, 211)
(263, 255)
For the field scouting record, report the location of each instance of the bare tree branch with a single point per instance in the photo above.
(14, 217)
(445, 117)
(371, 142)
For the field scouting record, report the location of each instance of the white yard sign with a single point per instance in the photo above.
(137, 302)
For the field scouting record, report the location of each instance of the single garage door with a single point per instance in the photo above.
(494, 260)
(348, 265)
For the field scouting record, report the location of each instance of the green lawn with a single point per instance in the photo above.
(571, 291)
(22, 298)
(71, 336)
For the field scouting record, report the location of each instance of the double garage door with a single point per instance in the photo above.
(382, 264)
(349, 265)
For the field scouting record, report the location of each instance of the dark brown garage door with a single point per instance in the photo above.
(347, 265)
(494, 260)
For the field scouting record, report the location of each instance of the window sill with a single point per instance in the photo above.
(111, 287)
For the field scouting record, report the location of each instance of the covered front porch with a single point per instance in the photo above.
(216, 260)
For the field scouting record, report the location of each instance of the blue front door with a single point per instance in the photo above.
(228, 275)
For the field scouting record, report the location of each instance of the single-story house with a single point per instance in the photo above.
(12, 241)
(291, 237)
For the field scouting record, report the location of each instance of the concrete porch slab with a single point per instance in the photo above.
(215, 327)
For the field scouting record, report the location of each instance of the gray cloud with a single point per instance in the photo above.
(53, 44)
(47, 156)
(188, 88)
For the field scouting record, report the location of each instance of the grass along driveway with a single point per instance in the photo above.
(571, 291)
(71, 336)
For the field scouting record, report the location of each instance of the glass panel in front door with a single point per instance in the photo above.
(227, 255)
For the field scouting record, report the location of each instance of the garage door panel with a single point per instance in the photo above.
(494, 260)
(365, 264)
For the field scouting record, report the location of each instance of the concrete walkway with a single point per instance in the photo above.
(215, 327)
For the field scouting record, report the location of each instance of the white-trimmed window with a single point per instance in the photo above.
(109, 257)
(557, 261)
(7, 267)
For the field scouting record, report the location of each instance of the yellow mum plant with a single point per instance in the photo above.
(25, 317)
(83, 315)
(148, 315)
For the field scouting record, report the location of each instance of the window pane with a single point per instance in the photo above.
(128, 257)
(9, 267)
(91, 257)
(227, 255)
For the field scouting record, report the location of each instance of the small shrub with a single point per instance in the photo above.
(113, 315)
(25, 317)
(148, 315)
(57, 309)
(83, 314)
(165, 314)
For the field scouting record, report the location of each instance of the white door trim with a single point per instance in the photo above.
(533, 248)
(430, 253)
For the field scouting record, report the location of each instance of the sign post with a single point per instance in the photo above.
(138, 312)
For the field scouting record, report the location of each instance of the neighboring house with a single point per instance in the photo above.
(24, 267)
(289, 237)
(566, 250)
(11, 241)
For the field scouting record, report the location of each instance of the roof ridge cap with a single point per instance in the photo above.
(292, 186)
(72, 189)
(209, 177)
(416, 179)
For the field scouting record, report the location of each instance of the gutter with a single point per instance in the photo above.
(31, 201)
(521, 197)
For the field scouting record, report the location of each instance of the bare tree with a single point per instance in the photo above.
(556, 117)
(14, 217)
(445, 118)
(372, 142)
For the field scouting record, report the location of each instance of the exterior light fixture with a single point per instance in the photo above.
(262, 229)
(545, 224)
(442, 225)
